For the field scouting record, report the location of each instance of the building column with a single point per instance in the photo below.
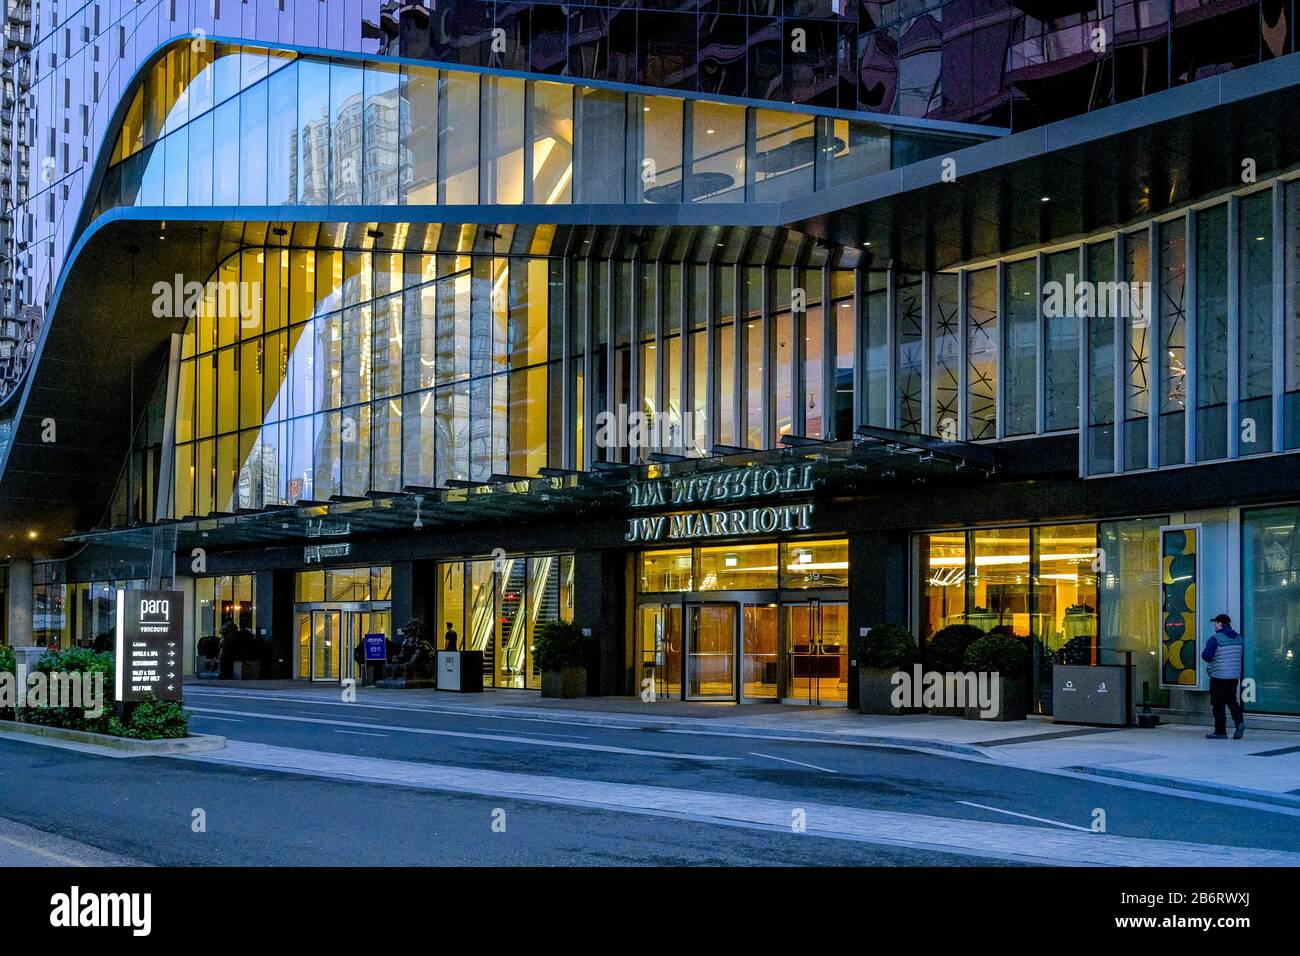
(879, 589)
(19, 594)
(600, 603)
(414, 592)
(273, 592)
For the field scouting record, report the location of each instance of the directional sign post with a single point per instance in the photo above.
(150, 641)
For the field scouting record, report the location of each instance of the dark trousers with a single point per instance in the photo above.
(1223, 693)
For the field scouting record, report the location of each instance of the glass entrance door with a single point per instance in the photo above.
(711, 651)
(661, 650)
(817, 641)
(326, 641)
(760, 654)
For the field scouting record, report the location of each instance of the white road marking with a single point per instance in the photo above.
(799, 762)
(1004, 841)
(359, 733)
(1025, 816)
(224, 720)
(467, 713)
(502, 738)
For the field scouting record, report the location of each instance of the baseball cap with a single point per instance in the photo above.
(1221, 619)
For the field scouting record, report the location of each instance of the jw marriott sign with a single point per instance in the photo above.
(709, 491)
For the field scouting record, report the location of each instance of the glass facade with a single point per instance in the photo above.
(236, 125)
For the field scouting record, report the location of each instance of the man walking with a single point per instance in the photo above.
(1226, 653)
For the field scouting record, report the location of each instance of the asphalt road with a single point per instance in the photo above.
(143, 810)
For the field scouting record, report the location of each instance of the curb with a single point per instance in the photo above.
(1195, 786)
(107, 744)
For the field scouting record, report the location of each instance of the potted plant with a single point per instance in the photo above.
(881, 653)
(560, 651)
(945, 652)
(209, 654)
(1007, 659)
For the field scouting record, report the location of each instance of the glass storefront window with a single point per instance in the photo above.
(815, 564)
(666, 570)
(1270, 597)
(943, 581)
(738, 567)
(1065, 593)
(1128, 589)
(999, 583)
(497, 606)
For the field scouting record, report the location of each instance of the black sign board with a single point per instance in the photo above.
(150, 644)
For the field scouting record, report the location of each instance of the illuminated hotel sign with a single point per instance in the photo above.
(720, 524)
(724, 487)
(733, 484)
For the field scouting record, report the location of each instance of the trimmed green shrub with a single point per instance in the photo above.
(885, 645)
(560, 644)
(153, 719)
(86, 662)
(946, 650)
(1008, 656)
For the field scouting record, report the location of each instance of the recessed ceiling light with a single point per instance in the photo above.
(1046, 199)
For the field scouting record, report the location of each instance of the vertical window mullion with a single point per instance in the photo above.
(830, 358)
(1155, 350)
(712, 403)
(1279, 314)
(1234, 327)
(768, 324)
(1189, 324)
(999, 412)
(798, 353)
(566, 388)
(891, 344)
(1120, 363)
(1040, 366)
(530, 92)
(927, 353)
(963, 356)
(1085, 367)
(859, 347)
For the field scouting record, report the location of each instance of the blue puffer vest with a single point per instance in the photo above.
(1226, 653)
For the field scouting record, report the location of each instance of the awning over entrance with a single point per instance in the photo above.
(875, 461)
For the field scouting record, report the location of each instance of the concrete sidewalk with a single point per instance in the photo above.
(1264, 767)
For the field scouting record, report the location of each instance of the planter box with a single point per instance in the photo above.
(247, 670)
(569, 682)
(1013, 701)
(108, 744)
(875, 687)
